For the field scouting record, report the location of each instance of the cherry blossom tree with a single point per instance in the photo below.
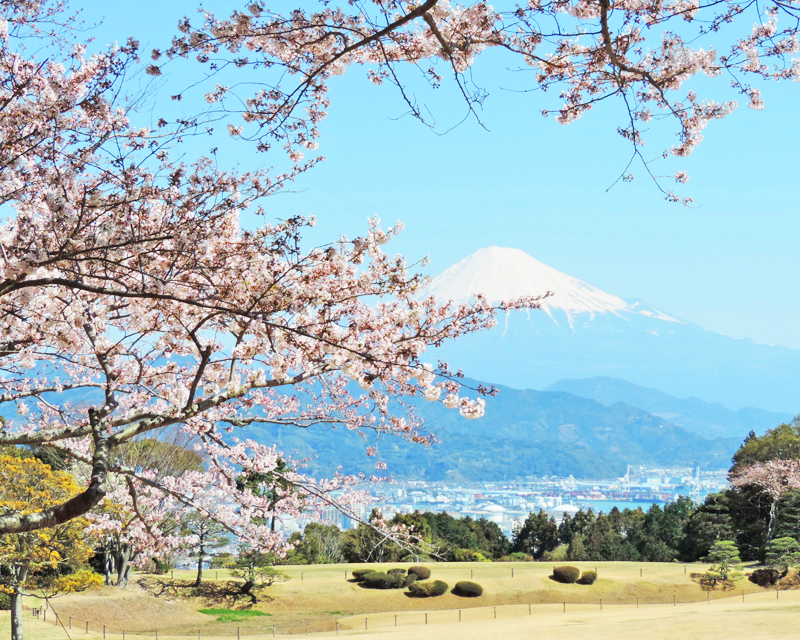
(648, 54)
(133, 302)
(773, 477)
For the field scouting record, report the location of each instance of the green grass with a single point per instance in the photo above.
(233, 615)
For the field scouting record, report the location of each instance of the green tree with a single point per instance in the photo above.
(318, 544)
(725, 564)
(208, 536)
(782, 553)
(537, 535)
(576, 551)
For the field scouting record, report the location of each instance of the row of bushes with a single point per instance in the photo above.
(415, 579)
(571, 575)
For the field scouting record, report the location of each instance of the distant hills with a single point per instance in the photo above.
(524, 433)
(708, 419)
(583, 332)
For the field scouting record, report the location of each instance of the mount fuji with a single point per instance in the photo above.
(583, 332)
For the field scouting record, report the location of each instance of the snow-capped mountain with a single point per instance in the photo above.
(505, 274)
(582, 331)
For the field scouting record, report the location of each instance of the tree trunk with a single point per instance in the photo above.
(16, 616)
(123, 565)
(199, 581)
(773, 521)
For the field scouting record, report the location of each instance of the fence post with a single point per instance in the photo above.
(104, 632)
(301, 576)
(237, 633)
(70, 622)
(459, 615)
(512, 572)
(684, 568)
(156, 634)
(306, 628)
(640, 572)
(565, 607)
(123, 634)
(495, 613)
(273, 630)
(674, 600)
(601, 604)
(777, 592)
(366, 624)
(337, 624)
(87, 627)
(637, 602)
(709, 596)
(395, 619)
(742, 595)
(470, 574)
(44, 615)
(529, 609)
(426, 618)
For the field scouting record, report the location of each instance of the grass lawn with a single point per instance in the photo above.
(319, 597)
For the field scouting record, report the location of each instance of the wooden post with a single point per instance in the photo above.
(273, 630)
(777, 592)
(565, 607)
(470, 574)
(70, 622)
(216, 576)
(512, 572)
(459, 615)
(637, 602)
(123, 634)
(156, 634)
(529, 609)
(171, 575)
(104, 632)
(337, 624)
(366, 624)
(495, 613)
(237, 633)
(44, 616)
(301, 576)
(601, 604)
(709, 597)
(426, 618)
(87, 627)
(306, 628)
(640, 573)
(684, 568)
(395, 619)
(674, 601)
(742, 595)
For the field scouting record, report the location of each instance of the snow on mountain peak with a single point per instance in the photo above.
(505, 274)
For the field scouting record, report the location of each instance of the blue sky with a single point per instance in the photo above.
(728, 263)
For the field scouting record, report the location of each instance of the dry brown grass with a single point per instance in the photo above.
(320, 596)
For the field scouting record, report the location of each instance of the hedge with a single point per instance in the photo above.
(381, 580)
(422, 573)
(566, 574)
(428, 589)
(588, 577)
(765, 577)
(358, 574)
(467, 589)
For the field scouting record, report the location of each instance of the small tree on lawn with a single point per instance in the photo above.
(205, 536)
(725, 566)
(782, 553)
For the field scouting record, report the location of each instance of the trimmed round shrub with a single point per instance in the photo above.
(396, 572)
(588, 577)
(407, 580)
(467, 589)
(428, 589)
(566, 574)
(358, 574)
(765, 577)
(381, 580)
(422, 573)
